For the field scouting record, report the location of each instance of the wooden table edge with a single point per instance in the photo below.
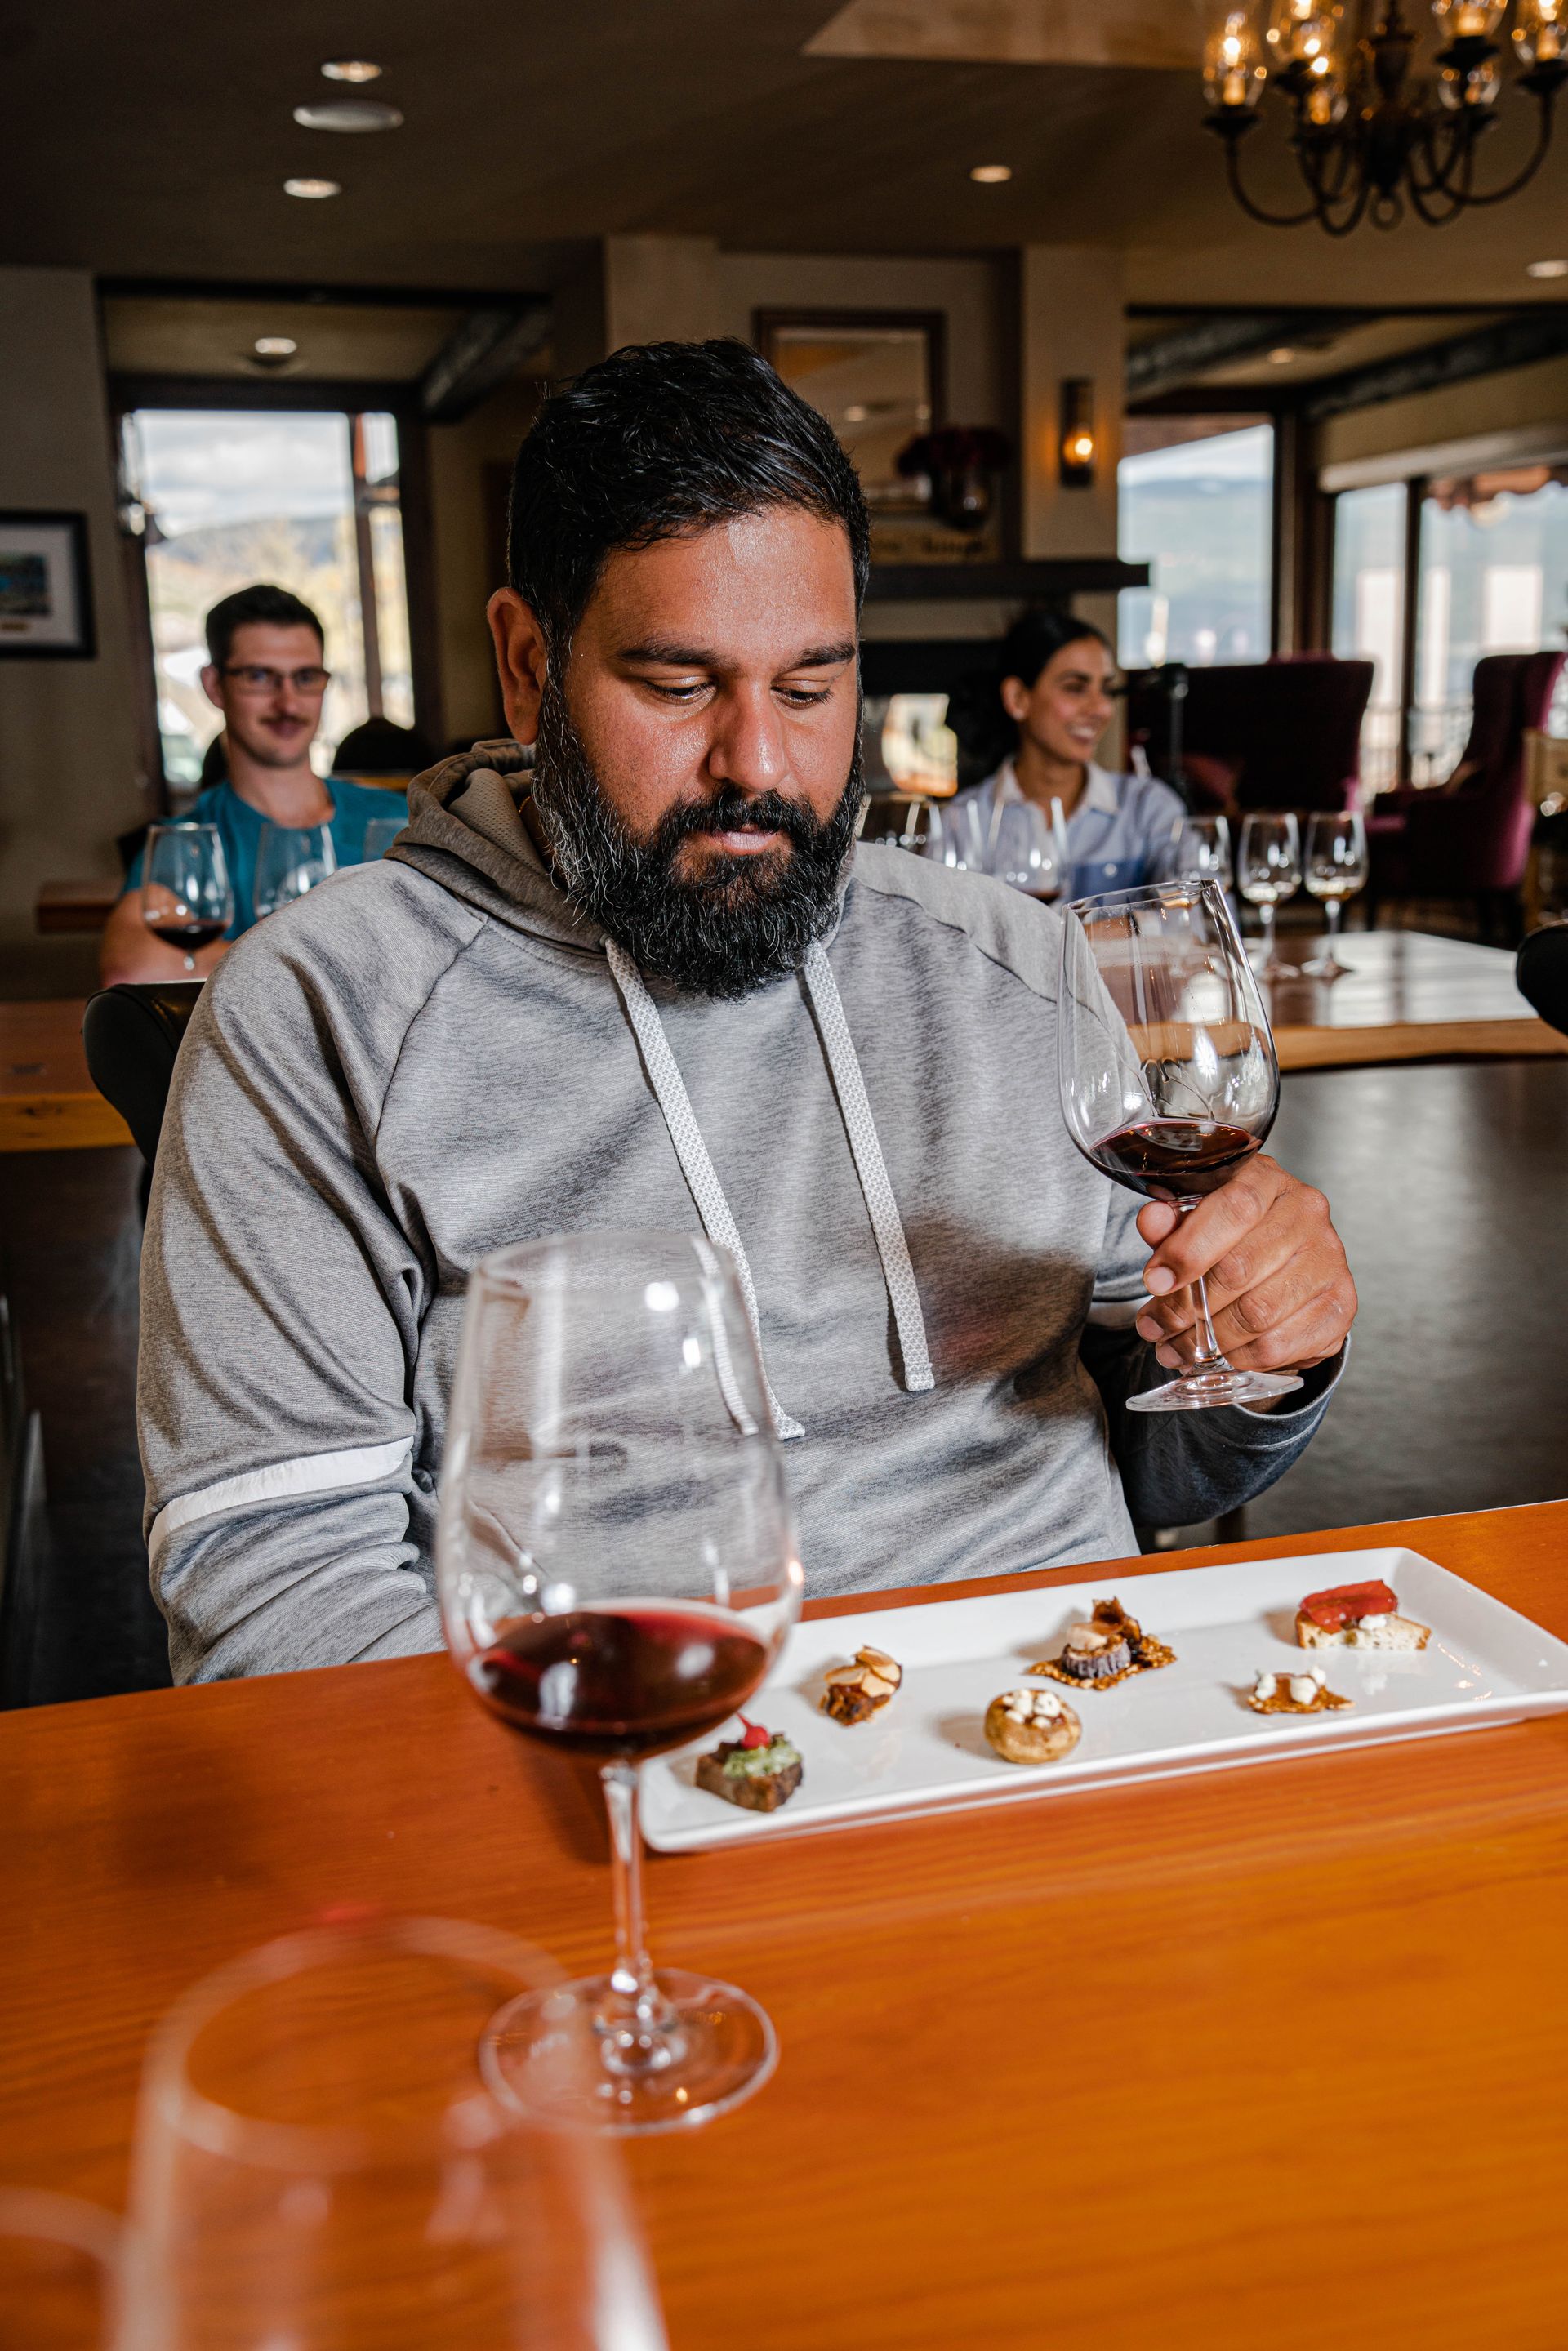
(1302, 1048)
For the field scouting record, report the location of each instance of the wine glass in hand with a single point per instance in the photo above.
(617, 1570)
(1169, 1080)
(1336, 869)
(1268, 872)
(186, 898)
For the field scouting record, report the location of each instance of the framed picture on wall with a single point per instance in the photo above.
(46, 596)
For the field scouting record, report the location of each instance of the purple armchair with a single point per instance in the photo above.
(1468, 839)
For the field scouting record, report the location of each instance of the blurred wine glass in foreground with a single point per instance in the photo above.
(1169, 1080)
(59, 2263)
(617, 1570)
(1336, 870)
(187, 897)
(1267, 872)
(291, 860)
(320, 2165)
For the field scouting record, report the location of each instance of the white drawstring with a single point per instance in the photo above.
(865, 1144)
(866, 1148)
(702, 1177)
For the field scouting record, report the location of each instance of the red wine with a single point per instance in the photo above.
(1174, 1158)
(190, 936)
(630, 1679)
(1044, 897)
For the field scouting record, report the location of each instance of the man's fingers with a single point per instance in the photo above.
(1216, 1225)
(1245, 1314)
(1314, 1332)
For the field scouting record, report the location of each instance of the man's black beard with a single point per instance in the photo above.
(750, 919)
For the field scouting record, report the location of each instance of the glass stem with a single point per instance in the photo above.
(1267, 912)
(635, 2022)
(1332, 911)
(1207, 1356)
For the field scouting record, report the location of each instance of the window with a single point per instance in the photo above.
(307, 501)
(1197, 504)
(1369, 616)
(1493, 579)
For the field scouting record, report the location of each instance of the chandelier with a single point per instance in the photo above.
(1372, 136)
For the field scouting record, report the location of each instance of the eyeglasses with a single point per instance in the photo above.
(252, 680)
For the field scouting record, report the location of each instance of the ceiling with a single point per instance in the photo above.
(169, 336)
(154, 142)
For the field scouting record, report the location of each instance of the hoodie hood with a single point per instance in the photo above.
(466, 832)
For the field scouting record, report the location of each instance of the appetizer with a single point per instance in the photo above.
(1031, 1726)
(1106, 1650)
(855, 1692)
(1357, 1616)
(1293, 1694)
(761, 1770)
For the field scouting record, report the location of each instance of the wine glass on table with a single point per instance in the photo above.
(1169, 1080)
(956, 835)
(1203, 849)
(618, 1572)
(320, 2165)
(290, 861)
(1267, 872)
(1029, 850)
(187, 900)
(1335, 868)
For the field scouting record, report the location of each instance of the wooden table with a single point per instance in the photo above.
(1406, 997)
(1275, 2057)
(47, 1101)
(76, 905)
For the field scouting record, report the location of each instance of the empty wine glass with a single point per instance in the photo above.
(1028, 849)
(320, 2165)
(617, 1570)
(1336, 870)
(379, 834)
(1269, 870)
(956, 835)
(1203, 849)
(1169, 1080)
(60, 2272)
(187, 899)
(290, 861)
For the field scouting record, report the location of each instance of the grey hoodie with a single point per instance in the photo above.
(434, 1056)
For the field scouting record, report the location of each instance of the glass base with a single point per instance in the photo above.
(1277, 968)
(714, 2047)
(1200, 1391)
(1326, 967)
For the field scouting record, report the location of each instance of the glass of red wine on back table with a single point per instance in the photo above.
(1169, 1080)
(618, 1572)
(187, 900)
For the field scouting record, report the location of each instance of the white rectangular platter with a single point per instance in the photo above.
(926, 1751)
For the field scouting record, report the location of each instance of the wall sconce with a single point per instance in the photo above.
(1079, 447)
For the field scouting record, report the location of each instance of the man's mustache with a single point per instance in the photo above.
(729, 809)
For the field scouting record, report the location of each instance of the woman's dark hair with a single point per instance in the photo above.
(379, 747)
(655, 441)
(986, 734)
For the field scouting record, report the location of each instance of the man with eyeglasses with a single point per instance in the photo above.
(266, 672)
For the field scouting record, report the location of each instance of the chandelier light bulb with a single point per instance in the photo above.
(1539, 30)
(1467, 20)
(1233, 71)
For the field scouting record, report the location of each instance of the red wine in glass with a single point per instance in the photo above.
(192, 936)
(1174, 1158)
(626, 1680)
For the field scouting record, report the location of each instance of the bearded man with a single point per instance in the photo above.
(653, 982)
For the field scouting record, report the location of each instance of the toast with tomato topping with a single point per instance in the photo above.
(1357, 1616)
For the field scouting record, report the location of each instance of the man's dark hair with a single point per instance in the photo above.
(658, 440)
(276, 608)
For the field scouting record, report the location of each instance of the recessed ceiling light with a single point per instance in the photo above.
(1546, 268)
(856, 412)
(1281, 357)
(351, 69)
(275, 347)
(348, 114)
(312, 188)
(991, 175)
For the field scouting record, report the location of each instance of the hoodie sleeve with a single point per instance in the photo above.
(280, 1306)
(1179, 1468)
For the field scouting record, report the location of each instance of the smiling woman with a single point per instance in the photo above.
(309, 500)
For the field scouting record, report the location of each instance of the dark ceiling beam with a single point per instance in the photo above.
(1534, 334)
(488, 346)
(286, 289)
(1200, 346)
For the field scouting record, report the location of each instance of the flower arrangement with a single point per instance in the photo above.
(955, 449)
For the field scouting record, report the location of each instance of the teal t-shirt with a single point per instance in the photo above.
(239, 829)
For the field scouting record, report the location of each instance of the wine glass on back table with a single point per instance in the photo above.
(618, 1572)
(290, 861)
(1169, 1080)
(187, 897)
(1336, 869)
(1028, 849)
(1269, 870)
